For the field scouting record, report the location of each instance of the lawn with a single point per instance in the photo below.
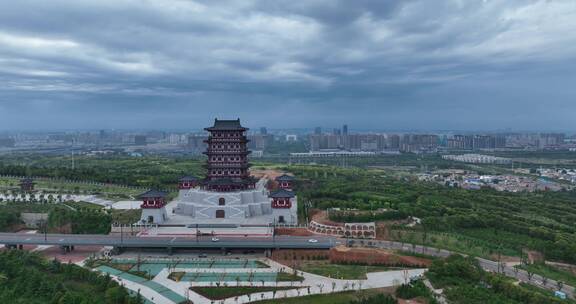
(63, 186)
(126, 216)
(544, 292)
(551, 273)
(219, 293)
(288, 277)
(454, 242)
(352, 272)
(333, 298)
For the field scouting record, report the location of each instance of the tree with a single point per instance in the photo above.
(115, 295)
(530, 274)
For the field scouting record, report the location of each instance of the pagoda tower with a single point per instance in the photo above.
(227, 165)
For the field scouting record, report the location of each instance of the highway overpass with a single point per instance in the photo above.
(203, 242)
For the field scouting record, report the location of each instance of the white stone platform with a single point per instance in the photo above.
(242, 208)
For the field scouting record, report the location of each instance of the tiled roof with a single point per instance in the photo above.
(152, 194)
(285, 177)
(281, 193)
(188, 179)
(226, 125)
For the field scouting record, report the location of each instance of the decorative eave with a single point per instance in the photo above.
(188, 179)
(26, 181)
(282, 193)
(153, 194)
(226, 125)
(285, 178)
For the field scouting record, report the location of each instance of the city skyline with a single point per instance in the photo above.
(416, 65)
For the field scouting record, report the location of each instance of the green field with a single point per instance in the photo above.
(218, 293)
(464, 282)
(334, 298)
(146, 172)
(351, 272)
(551, 273)
(478, 222)
(108, 191)
(28, 278)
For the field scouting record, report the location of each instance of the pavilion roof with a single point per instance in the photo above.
(281, 193)
(226, 125)
(27, 180)
(153, 194)
(285, 177)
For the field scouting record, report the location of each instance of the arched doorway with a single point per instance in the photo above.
(221, 201)
(220, 214)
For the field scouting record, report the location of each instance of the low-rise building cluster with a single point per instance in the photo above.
(478, 159)
(508, 183)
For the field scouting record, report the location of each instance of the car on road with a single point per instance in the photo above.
(202, 255)
(215, 239)
(312, 241)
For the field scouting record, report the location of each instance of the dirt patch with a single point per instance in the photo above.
(293, 231)
(268, 173)
(534, 256)
(371, 256)
(288, 256)
(382, 231)
(79, 253)
(321, 217)
(506, 259)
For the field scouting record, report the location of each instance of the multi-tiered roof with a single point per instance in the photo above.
(227, 165)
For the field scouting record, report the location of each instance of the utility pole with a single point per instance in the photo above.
(273, 231)
(45, 231)
(72, 152)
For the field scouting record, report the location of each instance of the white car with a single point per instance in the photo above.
(312, 241)
(215, 239)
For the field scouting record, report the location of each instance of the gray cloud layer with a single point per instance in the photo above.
(459, 64)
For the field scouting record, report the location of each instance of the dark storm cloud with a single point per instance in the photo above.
(374, 64)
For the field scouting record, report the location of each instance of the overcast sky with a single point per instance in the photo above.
(382, 64)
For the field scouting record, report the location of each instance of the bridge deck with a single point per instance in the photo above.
(288, 242)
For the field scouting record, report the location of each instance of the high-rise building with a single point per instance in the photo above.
(259, 141)
(140, 140)
(263, 131)
(461, 142)
(551, 140)
(7, 142)
(318, 131)
(345, 130)
(196, 143)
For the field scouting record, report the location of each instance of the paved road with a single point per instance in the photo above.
(288, 242)
(487, 265)
(165, 242)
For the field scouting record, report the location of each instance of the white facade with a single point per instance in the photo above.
(214, 207)
(154, 215)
